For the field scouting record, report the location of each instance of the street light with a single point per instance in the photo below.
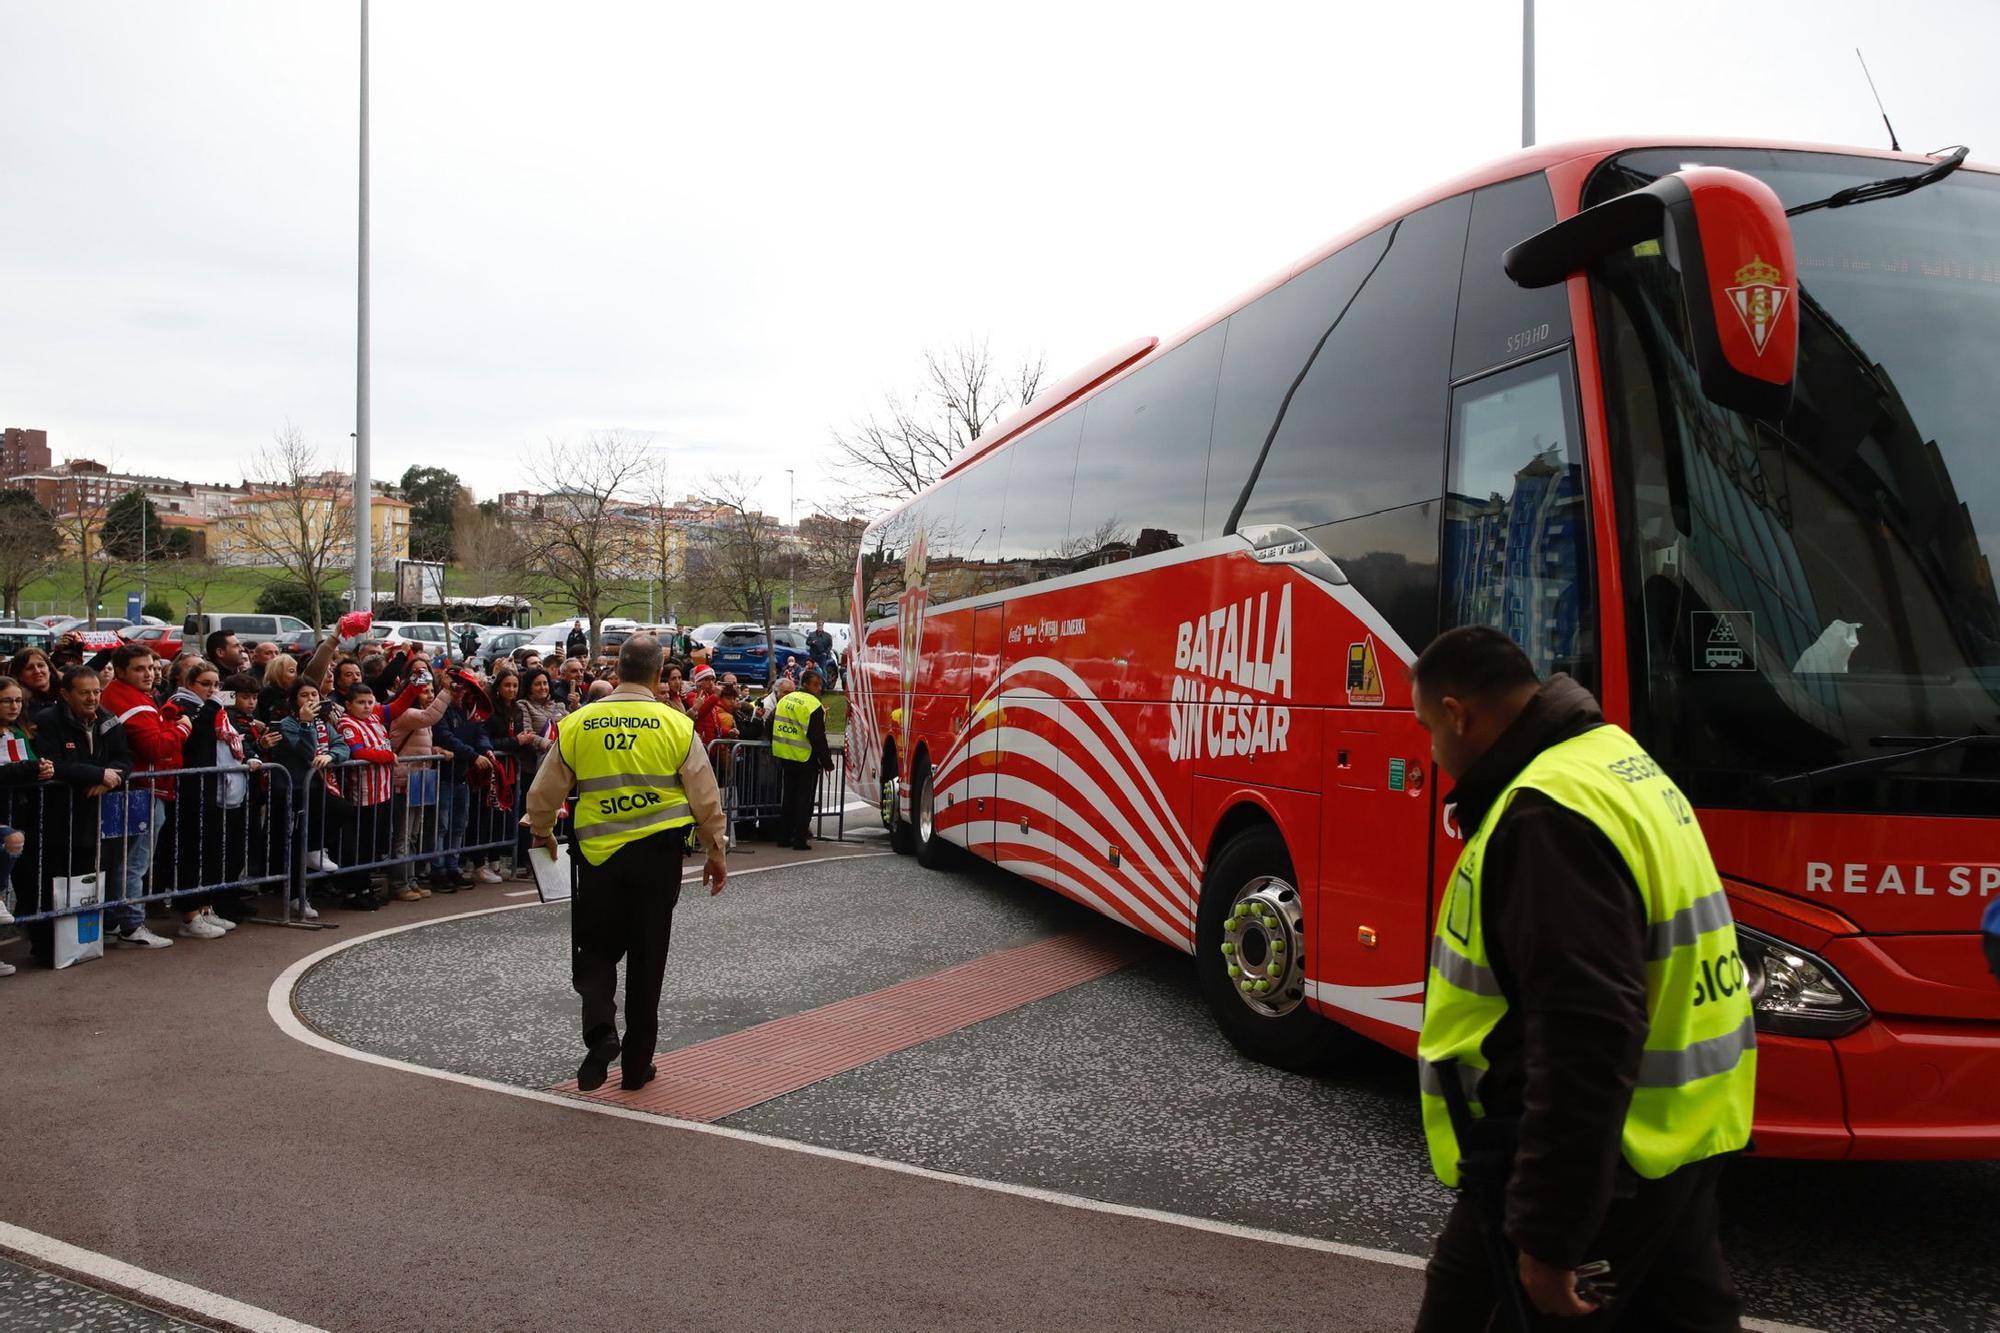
(791, 550)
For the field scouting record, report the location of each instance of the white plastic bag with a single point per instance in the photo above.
(79, 937)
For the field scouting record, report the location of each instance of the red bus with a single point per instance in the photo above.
(1145, 642)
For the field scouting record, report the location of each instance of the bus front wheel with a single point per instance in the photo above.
(1250, 954)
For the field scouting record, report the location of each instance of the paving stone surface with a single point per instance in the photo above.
(32, 1301)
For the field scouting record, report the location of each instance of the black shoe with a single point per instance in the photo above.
(361, 902)
(632, 1082)
(596, 1066)
(444, 886)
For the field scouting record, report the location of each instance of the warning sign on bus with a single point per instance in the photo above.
(1723, 640)
(1364, 674)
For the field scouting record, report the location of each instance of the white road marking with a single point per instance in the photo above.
(279, 1004)
(519, 893)
(121, 1278)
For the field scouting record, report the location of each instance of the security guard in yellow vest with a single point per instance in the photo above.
(798, 743)
(639, 780)
(1587, 999)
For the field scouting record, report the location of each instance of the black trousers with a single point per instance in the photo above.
(1666, 1262)
(625, 909)
(795, 804)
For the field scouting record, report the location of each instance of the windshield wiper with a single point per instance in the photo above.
(1924, 745)
(1887, 189)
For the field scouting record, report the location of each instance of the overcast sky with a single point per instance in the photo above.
(732, 228)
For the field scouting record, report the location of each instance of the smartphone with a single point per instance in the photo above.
(227, 698)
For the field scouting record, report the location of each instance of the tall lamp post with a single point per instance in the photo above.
(363, 598)
(791, 547)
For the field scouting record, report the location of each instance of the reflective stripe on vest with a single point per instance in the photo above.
(1697, 1072)
(789, 724)
(627, 756)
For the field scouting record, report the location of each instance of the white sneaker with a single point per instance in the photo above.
(307, 912)
(140, 938)
(197, 927)
(6, 917)
(318, 861)
(220, 922)
(8, 969)
(487, 875)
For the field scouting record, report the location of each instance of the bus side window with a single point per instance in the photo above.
(1499, 323)
(1365, 431)
(1036, 516)
(1144, 454)
(1515, 550)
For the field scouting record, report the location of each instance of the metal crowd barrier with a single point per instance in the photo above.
(424, 818)
(197, 844)
(753, 790)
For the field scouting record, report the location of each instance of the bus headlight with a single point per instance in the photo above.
(1795, 993)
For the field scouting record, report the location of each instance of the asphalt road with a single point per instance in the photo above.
(1119, 1090)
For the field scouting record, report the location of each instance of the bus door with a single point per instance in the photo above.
(981, 787)
(1374, 918)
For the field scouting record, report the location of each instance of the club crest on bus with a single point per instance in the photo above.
(1759, 297)
(1246, 644)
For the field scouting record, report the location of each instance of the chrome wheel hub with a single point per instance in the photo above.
(892, 791)
(927, 812)
(1263, 947)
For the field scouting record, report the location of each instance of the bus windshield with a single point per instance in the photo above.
(1821, 591)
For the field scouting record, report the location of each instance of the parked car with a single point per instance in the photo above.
(164, 640)
(299, 643)
(250, 628)
(94, 640)
(18, 634)
(428, 635)
(502, 643)
(741, 648)
(706, 635)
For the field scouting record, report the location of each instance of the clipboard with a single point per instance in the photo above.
(552, 873)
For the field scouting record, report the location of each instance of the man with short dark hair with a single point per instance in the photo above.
(578, 643)
(224, 650)
(1585, 1020)
(798, 742)
(156, 747)
(639, 780)
(87, 748)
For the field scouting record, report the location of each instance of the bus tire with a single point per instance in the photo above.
(902, 837)
(933, 852)
(1255, 987)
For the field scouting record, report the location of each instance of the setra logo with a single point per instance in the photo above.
(1760, 297)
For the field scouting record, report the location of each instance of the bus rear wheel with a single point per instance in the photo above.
(933, 851)
(1250, 954)
(901, 837)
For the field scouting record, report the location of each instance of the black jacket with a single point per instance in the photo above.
(1565, 931)
(71, 828)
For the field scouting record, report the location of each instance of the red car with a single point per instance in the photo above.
(164, 640)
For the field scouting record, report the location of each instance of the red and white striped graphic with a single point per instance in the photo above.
(1040, 750)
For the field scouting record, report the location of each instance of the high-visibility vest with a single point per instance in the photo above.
(1698, 1071)
(789, 724)
(627, 756)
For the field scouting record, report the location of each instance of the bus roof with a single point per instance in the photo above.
(1578, 155)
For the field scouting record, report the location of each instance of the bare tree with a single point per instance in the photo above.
(585, 541)
(743, 553)
(30, 545)
(191, 578)
(82, 527)
(489, 550)
(896, 452)
(829, 550)
(664, 538)
(295, 523)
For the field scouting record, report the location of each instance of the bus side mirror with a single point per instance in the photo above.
(1726, 234)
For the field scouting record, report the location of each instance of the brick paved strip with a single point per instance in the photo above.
(716, 1078)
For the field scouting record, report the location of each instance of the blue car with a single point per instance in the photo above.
(741, 649)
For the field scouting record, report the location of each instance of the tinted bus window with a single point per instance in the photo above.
(1268, 343)
(1515, 553)
(1391, 558)
(880, 572)
(1038, 488)
(1366, 430)
(965, 548)
(1140, 471)
(1497, 321)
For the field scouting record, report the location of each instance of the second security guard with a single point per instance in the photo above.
(640, 780)
(798, 741)
(1588, 1053)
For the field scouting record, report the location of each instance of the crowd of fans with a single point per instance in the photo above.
(370, 755)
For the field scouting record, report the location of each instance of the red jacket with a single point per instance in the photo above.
(155, 741)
